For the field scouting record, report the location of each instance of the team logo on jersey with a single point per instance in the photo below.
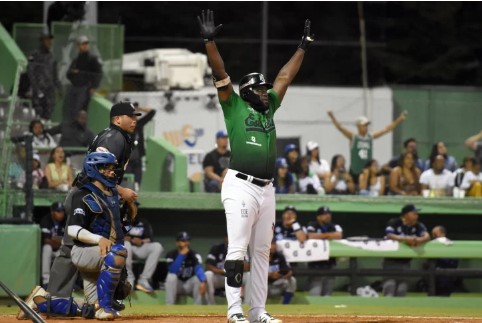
(254, 124)
(79, 211)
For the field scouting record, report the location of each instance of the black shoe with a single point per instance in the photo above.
(118, 305)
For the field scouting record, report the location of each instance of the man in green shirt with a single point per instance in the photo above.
(247, 192)
(361, 143)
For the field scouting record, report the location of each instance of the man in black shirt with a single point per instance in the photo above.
(288, 227)
(323, 228)
(216, 163)
(139, 245)
(185, 272)
(215, 268)
(74, 133)
(52, 226)
(85, 74)
(405, 229)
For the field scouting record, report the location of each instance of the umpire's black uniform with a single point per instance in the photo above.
(63, 273)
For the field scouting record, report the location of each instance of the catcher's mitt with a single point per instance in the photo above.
(124, 287)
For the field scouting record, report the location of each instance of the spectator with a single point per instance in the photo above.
(437, 179)
(185, 272)
(74, 133)
(52, 227)
(409, 145)
(361, 144)
(58, 173)
(85, 74)
(308, 182)
(475, 143)
(216, 163)
(339, 181)
(404, 179)
(292, 155)
(472, 182)
(280, 276)
(16, 167)
(215, 269)
(289, 227)
(318, 166)
(43, 77)
(139, 245)
(323, 228)
(467, 165)
(444, 286)
(440, 149)
(405, 229)
(372, 182)
(38, 176)
(41, 138)
(139, 150)
(284, 182)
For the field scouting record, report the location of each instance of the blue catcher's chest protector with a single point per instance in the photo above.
(107, 221)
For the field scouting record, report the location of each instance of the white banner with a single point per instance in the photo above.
(372, 245)
(310, 250)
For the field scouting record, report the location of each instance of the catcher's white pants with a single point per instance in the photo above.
(250, 216)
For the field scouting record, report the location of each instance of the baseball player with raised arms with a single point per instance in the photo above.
(247, 192)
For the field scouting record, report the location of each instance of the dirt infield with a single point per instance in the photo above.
(285, 318)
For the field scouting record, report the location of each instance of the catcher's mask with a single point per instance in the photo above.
(97, 161)
(246, 86)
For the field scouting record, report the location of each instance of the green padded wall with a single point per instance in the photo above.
(20, 257)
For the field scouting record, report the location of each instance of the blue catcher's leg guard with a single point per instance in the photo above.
(110, 275)
(57, 306)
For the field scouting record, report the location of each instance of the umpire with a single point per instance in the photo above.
(117, 140)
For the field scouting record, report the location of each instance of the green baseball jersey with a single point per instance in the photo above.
(252, 136)
(361, 152)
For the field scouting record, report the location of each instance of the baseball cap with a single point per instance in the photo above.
(82, 39)
(57, 206)
(323, 210)
(281, 163)
(409, 208)
(310, 145)
(290, 147)
(290, 208)
(362, 120)
(36, 157)
(123, 108)
(183, 236)
(221, 134)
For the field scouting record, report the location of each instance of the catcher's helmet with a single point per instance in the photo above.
(95, 161)
(246, 85)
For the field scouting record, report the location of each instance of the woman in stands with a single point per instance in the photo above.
(440, 149)
(371, 181)
(41, 139)
(284, 182)
(404, 179)
(58, 173)
(339, 181)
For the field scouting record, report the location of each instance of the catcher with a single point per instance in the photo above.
(96, 226)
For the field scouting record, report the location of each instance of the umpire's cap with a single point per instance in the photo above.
(124, 109)
(323, 210)
(183, 236)
(57, 206)
(409, 208)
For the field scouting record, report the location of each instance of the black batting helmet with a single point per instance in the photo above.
(252, 80)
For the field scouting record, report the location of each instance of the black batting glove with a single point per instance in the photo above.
(307, 38)
(206, 25)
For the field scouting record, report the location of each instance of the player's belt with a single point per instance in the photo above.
(256, 181)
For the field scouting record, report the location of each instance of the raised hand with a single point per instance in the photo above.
(308, 37)
(206, 25)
